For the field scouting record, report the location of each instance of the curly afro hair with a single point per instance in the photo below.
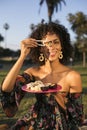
(41, 31)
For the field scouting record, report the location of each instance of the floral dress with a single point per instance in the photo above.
(46, 113)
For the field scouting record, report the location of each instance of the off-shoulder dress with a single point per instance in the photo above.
(46, 113)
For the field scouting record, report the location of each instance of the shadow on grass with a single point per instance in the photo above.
(85, 90)
(9, 121)
(83, 74)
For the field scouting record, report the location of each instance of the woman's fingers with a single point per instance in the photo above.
(26, 46)
(29, 42)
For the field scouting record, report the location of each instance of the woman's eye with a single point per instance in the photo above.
(56, 41)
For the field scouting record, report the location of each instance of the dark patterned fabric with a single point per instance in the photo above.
(11, 100)
(74, 110)
(45, 114)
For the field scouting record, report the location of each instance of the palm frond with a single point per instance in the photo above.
(41, 2)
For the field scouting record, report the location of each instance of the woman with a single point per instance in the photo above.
(53, 111)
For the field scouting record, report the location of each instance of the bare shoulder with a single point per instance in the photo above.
(74, 81)
(73, 74)
(32, 70)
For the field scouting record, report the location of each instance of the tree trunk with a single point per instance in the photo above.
(84, 59)
(50, 19)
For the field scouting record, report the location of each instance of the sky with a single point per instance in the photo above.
(20, 14)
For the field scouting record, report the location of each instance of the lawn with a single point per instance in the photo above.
(29, 98)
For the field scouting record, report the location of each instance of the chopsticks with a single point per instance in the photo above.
(41, 41)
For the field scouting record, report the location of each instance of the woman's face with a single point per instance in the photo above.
(53, 44)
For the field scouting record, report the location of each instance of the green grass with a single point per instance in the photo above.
(29, 99)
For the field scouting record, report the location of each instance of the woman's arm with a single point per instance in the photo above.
(10, 79)
(74, 99)
(74, 82)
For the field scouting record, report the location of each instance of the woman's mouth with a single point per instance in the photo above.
(52, 54)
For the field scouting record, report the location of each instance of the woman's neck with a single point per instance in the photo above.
(51, 66)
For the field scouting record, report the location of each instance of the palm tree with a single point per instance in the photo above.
(6, 27)
(78, 23)
(51, 5)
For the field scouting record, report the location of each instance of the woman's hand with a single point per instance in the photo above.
(26, 46)
(60, 99)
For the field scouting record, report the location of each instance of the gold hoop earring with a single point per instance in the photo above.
(60, 55)
(41, 57)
